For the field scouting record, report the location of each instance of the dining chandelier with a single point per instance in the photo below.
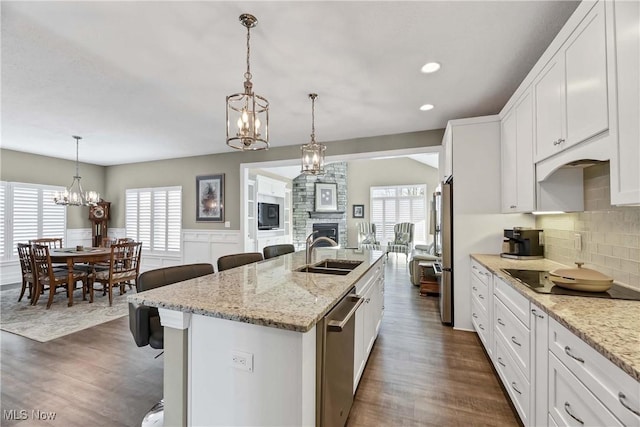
(75, 195)
(313, 153)
(247, 113)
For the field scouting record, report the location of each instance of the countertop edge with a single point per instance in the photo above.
(593, 343)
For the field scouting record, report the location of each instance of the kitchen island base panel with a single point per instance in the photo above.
(279, 390)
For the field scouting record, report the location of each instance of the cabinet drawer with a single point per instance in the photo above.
(480, 291)
(511, 298)
(617, 390)
(571, 403)
(517, 386)
(515, 335)
(480, 322)
(480, 272)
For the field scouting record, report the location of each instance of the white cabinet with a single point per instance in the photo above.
(270, 187)
(549, 97)
(571, 92)
(368, 318)
(482, 304)
(518, 175)
(624, 25)
(539, 365)
(590, 376)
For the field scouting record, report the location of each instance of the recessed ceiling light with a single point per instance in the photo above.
(430, 67)
(426, 107)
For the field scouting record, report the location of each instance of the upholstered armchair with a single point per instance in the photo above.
(403, 239)
(367, 236)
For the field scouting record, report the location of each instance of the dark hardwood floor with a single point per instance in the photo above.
(420, 373)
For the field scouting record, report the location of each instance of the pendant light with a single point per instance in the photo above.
(313, 153)
(247, 113)
(75, 195)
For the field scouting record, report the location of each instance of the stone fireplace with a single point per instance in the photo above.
(304, 215)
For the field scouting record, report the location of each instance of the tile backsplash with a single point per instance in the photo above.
(610, 235)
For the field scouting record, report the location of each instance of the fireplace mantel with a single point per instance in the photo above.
(326, 215)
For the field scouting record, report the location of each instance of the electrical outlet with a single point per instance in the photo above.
(227, 224)
(241, 360)
(577, 241)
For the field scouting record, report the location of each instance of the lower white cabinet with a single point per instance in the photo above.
(368, 318)
(552, 376)
(571, 403)
(611, 386)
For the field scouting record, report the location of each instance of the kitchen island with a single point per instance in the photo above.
(240, 345)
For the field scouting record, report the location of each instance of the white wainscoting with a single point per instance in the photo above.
(209, 245)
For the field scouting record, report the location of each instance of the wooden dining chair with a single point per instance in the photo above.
(52, 243)
(47, 277)
(26, 265)
(124, 266)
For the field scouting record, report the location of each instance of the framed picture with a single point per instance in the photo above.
(210, 198)
(326, 196)
(358, 211)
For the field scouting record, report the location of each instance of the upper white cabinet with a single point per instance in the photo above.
(270, 187)
(571, 92)
(624, 25)
(518, 177)
(549, 94)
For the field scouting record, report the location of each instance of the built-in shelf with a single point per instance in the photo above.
(326, 215)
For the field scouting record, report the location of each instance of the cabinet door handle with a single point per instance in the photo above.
(480, 296)
(556, 142)
(560, 141)
(513, 340)
(567, 409)
(535, 313)
(513, 386)
(501, 362)
(622, 398)
(500, 322)
(475, 316)
(480, 326)
(567, 350)
(512, 207)
(474, 288)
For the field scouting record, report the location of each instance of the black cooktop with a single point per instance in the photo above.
(538, 281)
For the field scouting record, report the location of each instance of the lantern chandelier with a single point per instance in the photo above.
(247, 113)
(75, 195)
(313, 153)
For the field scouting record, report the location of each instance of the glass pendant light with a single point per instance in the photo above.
(247, 113)
(75, 195)
(313, 153)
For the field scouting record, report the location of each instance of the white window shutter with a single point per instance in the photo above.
(154, 217)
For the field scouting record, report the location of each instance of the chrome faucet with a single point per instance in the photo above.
(310, 243)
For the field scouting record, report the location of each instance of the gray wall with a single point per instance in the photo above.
(115, 179)
(16, 166)
(368, 173)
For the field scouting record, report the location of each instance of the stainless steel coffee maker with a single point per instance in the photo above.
(523, 243)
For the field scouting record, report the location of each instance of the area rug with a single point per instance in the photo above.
(39, 324)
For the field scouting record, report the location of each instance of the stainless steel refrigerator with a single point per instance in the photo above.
(443, 244)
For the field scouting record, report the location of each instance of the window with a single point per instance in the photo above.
(154, 217)
(27, 212)
(394, 204)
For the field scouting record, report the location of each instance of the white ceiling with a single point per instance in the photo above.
(147, 80)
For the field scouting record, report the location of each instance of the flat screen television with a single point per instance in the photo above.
(268, 216)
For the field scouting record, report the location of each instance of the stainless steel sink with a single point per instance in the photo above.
(331, 266)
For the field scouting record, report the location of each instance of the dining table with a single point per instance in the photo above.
(73, 256)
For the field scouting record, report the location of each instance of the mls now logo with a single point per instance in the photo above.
(15, 414)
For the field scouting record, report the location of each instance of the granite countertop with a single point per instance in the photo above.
(611, 327)
(268, 293)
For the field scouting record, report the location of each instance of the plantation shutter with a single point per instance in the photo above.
(27, 212)
(154, 217)
(391, 205)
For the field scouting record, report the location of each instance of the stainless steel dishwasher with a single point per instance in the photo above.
(334, 374)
